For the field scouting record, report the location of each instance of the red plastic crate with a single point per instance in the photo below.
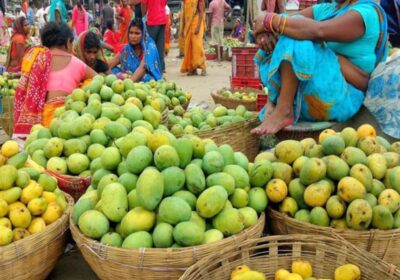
(243, 65)
(261, 101)
(246, 82)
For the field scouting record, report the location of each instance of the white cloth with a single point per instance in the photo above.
(40, 16)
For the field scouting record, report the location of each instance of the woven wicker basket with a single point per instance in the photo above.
(233, 103)
(7, 117)
(164, 117)
(271, 253)
(237, 135)
(73, 185)
(35, 257)
(152, 264)
(303, 130)
(385, 244)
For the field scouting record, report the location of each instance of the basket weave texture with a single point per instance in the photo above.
(36, 256)
(152, 264)
(237, 135)
(271, 253)
(385, 244)
(7, 116)
(233, 103)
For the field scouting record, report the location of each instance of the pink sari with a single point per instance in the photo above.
(80, 20)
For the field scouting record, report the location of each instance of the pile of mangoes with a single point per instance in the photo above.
(349, 179)
(29, 199)
(8, 84)
(187, 122)
(154, 190)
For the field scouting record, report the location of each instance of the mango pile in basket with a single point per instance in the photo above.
(29, 199)
(300, 270)
(198, 119)
(350, 179)
(167, 192)
(238, 95)
(8, 84)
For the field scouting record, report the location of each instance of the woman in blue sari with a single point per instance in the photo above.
(139, 56)
(316, 65)
(58, 11)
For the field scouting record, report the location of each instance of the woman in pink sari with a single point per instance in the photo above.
(80, 20)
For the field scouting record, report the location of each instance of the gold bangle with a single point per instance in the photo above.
(284, 25)
(271, 26)
(279, 24)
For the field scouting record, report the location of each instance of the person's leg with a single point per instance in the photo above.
(161, 45)
(282, 115)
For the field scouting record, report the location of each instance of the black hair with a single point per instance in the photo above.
(31, 4)
(2, 7)
(92, 41)
(56, 34)
(110, 24)
(105, 2)
(137, 22)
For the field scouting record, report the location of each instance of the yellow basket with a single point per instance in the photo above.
(36, 256)
(152, 264)
(385, 244)
(271, 253)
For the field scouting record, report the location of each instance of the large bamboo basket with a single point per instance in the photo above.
(233, 103)
(237, 135)
(385, 244)
(36, 256)
(271, 253)
(152, 264)
(7, 116)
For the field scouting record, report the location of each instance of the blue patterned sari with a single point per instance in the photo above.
(323, 93)
(130, 61)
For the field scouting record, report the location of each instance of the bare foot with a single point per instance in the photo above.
(204, 72)
(276, 121)
(269, 109)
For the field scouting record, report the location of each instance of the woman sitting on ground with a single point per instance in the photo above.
(18, 45)
(239, 32)
(139, 56)
(88, 49)
(112, 38)
(318, 69)
(49, 73)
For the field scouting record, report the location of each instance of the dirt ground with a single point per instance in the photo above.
(72, 266)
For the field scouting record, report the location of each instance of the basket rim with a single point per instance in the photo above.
(57, 223)
(219, 129)
(295, 239)
(277, 215)
(215, 95)
(75, 230)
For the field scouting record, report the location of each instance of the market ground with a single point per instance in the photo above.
(72, 266)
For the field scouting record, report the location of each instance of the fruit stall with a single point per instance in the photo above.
(150, 188)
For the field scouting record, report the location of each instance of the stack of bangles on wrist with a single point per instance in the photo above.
(269, 23)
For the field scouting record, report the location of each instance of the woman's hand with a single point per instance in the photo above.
(266, 41)
(259, 25)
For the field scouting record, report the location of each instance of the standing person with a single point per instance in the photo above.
(25, 6)
(80, 20)
(273, 6)
(19, 12)
(3, 27)
(97, 13)
(57, 11)
(217, 9)
(138, 9)
(194, 25)
(181, 37)
(30, 15)
(124, 18)
(18, 45)
(156, 21)
(41, 17)
(107, 14)
(167, 30)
